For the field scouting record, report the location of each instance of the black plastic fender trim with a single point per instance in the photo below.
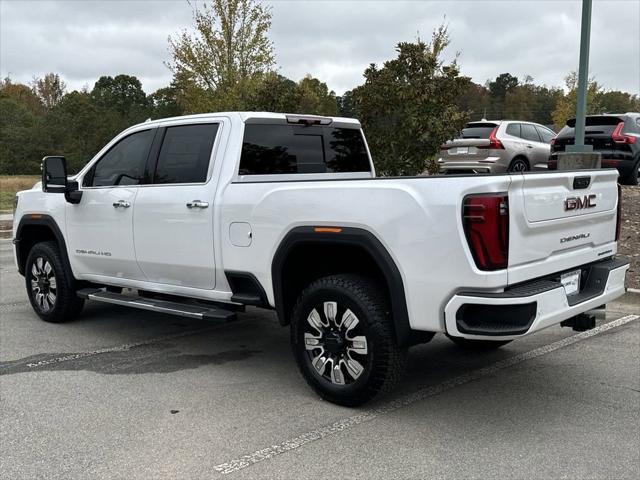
(45, 221)
(352, 237)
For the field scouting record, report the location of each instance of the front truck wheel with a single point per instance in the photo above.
(343, 340)
(478, 344)
(48, 285)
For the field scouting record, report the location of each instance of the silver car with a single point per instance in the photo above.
(497, 147)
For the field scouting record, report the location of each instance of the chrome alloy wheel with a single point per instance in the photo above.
(43, 284)
(335, 348)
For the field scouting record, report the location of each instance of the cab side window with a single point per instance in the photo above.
(185, 154)
(124, 163)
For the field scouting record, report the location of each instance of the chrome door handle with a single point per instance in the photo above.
(197, 204)
(121, 203)
(529, 146)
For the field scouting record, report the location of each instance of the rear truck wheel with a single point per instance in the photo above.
(478, 345)
(47, 284)
(343, 340)
(518, 165)
(632, 177)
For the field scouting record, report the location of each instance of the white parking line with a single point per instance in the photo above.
(349, 422)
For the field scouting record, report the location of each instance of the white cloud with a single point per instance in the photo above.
(333, 40)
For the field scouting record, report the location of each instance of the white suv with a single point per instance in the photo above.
(497, 147)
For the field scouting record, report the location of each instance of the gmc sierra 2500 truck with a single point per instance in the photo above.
(202, 215)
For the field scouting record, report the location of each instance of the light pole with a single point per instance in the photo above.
(583, 81)
(579, 155)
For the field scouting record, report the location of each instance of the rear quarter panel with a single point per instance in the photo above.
(416, 219)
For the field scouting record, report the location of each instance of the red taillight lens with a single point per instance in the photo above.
(619, 213)
(486, 225)
(552, 142)
(618, 137)
(494, 143)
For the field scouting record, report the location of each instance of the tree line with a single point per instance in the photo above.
(408, 106)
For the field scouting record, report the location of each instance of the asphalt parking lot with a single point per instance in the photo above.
(131, 394)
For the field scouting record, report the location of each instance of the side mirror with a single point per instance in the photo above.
(54, 179)
(54, 174)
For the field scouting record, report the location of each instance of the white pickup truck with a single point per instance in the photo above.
(203, 215)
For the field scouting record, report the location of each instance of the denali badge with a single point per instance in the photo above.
(575, 237)
(578, 203)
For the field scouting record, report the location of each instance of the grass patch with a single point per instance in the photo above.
(10, 184)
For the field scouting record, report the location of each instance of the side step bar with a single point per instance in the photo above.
(190, 310)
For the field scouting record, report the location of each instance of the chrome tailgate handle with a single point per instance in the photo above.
(121, 203)
(197, 204)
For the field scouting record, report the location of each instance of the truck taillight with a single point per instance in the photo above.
(494, 143)
(619, 213)
(486, 226)
(618, 137)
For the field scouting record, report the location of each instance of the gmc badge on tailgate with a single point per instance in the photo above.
(579, 203)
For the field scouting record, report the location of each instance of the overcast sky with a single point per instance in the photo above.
(332, 40)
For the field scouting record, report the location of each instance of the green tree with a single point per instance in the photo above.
(19, 153)
(408, 106)
(498, 90)
(23, 95)
(49, 89)
(274, 93)
(314, 97)
(531, 102)
(219, 65)
(164, 103)
(474, 99)
(122, 93)
(346, 105)
(566, 105)
(618, 102)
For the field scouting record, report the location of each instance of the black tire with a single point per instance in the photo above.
(632, 177)
(343, 340)
(518, 164)
(48, 285)
(478, 345)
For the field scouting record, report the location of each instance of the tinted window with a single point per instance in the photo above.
(185, 153)
(545, 134)
(124, 163)
(477, 130)
(283, 149)
(513, 129)
(597, 120)
(529, 133)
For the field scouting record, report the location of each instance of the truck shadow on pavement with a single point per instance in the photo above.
(156, 358)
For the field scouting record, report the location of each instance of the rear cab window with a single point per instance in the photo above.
(272, 149)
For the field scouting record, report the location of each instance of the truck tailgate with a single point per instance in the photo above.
(560, 220)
